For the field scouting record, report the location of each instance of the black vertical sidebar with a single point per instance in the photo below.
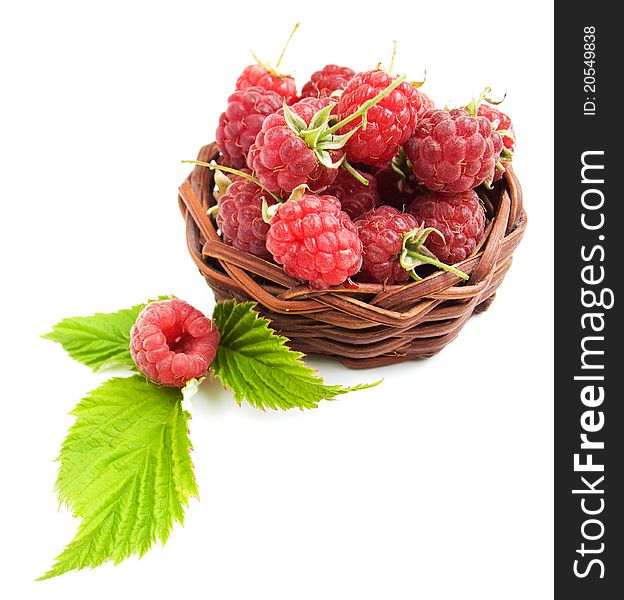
(589, 336)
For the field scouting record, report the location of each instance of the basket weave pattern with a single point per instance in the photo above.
(368, 324)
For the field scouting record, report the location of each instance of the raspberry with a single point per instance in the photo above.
(389, 123)
(242, 120)
(172, 342)
(329, 79)
(240, 217)
(355, 197)
(223, 181)
(315, 241)
(501, 123)
(282, 160)
(426, 103)
(452, 151)
(394, 189)
(267, 79)
(459, 217)
(394, 182)
(381, 232)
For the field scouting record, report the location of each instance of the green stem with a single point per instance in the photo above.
(365, 107)
(437, 263)
(394, 51)
(279, 60)
(473, 106)
(235, 172)
(353, 172)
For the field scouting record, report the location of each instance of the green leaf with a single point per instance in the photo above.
(100, 339)
(125, 470)
(257, 365)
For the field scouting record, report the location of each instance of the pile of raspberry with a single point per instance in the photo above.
(358, 178)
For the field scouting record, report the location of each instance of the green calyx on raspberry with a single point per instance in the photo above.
(506, 155)
(401, 165)
(268, 212)
(320, 135)
(312, 134)
(473, 106)
(415, 254)
(222, 182)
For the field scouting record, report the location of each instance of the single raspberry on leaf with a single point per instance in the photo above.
(381, 232)
(240, 217)
(171, 342)
(355, 197)
(386, 126)
(268, 78)
(452, 151)
(242, 120)
(330, 79)
(314, 240)
(459, 217)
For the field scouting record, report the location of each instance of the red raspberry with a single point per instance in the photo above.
(501, 123)
(452, 151)
(259, 76)
(329, 79)
(393, 189)
(394, 182)
(381, 232)
(355, 197)
(242, 120)
(281, 159)
(223, 179)
(315, 241)
(240, 217)
(459, 217)
(389, 123)
(426, 104)
(172, 342)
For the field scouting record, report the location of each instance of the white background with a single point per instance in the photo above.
(435, 485)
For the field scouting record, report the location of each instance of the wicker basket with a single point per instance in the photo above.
(365, 325)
